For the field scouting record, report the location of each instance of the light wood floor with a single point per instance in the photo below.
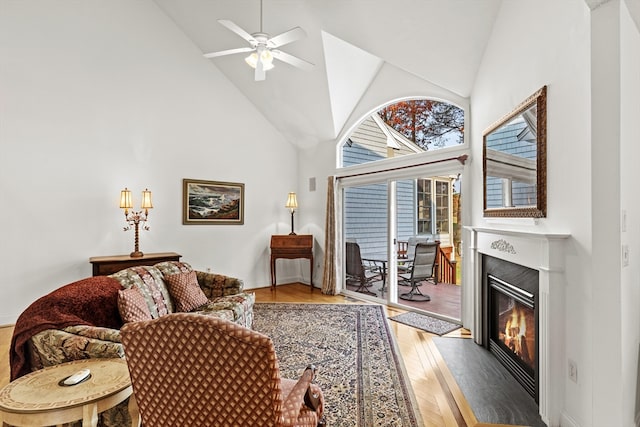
(441, 402)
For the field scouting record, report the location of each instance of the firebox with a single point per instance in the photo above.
(511, 319)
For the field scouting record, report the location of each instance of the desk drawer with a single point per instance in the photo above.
(292, 242)
(284, 252)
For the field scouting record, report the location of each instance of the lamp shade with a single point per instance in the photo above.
(125, 199)
(146, 199)
(292, 202)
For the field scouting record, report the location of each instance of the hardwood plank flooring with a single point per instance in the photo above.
(439, 398)
(441, 402)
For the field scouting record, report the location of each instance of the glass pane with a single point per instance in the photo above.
(404, 128)
(365, 224)
(433, 205)
(516, 144)
(516, 329)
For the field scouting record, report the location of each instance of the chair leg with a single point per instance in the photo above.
(414, 294)
(363, 288)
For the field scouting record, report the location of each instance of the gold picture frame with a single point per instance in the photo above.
(212, 202)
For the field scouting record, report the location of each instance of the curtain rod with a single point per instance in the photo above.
(462, 159)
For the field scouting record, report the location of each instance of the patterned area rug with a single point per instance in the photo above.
(426, 323)
(359, 366)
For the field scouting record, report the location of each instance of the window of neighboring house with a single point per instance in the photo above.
(424, 206)
(442, 207)
(429, 206)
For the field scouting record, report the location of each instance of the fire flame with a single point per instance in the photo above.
(515, 332)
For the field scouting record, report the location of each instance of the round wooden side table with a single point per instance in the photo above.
(39, 399)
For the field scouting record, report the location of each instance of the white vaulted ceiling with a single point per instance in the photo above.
(439, 41)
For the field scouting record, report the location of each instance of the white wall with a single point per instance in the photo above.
(630, 203)
(517, 63)
(96, 96)
(590, 155)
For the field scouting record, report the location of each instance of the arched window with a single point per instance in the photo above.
(404, 128)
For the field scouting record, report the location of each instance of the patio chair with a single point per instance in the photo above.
(404, 263)
(194, 370)
(413, 241)
(423, 267)
(359, 272)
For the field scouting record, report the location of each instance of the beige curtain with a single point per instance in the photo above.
(329, 278)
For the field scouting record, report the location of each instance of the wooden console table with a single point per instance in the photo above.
(105, 265)
(291, 246)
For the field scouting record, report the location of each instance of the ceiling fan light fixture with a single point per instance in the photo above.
(266, 57)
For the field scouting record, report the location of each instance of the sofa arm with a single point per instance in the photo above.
(217, 285)
(55, 346)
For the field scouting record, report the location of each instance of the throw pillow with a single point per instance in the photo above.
(185, 291)
(132, 306)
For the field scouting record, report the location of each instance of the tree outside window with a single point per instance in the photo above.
(428, 123)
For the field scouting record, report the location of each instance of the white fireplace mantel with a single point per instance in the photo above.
(544, 252)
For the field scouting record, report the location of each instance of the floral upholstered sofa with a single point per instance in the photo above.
(82, 320)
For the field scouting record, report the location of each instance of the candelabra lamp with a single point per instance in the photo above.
(133, 218)
(292, 204)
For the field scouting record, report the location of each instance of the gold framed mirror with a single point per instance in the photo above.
(514, 156)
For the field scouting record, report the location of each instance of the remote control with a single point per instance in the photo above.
(77, 377)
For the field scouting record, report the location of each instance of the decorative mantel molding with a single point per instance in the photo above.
(503, 246)
(541, 251)
(529, 248)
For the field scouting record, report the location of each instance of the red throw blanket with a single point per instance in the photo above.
(92, 301)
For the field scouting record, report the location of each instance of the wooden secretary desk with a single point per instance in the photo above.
(291, 246)
(105, 265)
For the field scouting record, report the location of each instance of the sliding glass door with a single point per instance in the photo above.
(382, 222)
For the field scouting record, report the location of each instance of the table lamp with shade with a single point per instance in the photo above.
(133, 218)
(292, 204)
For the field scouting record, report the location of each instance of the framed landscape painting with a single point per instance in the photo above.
(212, 202)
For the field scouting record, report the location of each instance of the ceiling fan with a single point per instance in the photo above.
(264, 48)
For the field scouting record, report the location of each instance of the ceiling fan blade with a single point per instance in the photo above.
(293, 60)
(239, 31)
(259, 74)
(228, 52)
(287, 37)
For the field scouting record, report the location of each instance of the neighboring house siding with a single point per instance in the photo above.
(406, 205)
(356, 154)
(368, 135)
(365, 218)
(512, 139)
(365, 207)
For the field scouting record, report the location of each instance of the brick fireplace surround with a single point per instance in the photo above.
(543, 252)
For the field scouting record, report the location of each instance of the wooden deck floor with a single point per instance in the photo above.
(445, 297)
(441, 402)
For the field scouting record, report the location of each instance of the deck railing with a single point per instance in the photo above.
(446, 267)
(447, 270)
